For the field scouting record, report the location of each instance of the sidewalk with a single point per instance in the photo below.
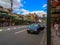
(55, 40)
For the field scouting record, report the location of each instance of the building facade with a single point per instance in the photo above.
(55, 11)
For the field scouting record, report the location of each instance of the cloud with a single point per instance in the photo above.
(16, 9)
(17, 4)
(45, 5)
(39, 13)
(5, 3)
(18, 12)
(24, 11)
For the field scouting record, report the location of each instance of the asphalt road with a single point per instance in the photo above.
(17, 35)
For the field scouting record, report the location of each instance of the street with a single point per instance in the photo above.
(20, 17)
(17, 35)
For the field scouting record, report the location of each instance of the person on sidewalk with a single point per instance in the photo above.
(56, 27)
(59, 30)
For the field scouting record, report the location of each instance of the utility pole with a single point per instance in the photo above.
(11, 11)
(11, 5)
(48, 22)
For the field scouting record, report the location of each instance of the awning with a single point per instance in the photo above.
(3, 12)
(4, 15)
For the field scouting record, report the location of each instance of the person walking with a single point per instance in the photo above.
(59, 30)
(56, 27)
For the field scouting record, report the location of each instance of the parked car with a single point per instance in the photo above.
(34, 28)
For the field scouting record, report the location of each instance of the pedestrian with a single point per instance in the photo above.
(56, 27)
(59, 30)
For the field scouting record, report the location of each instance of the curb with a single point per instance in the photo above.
(43, 40)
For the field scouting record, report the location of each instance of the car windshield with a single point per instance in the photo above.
(34, 25)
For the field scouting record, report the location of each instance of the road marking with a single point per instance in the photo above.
(0, 30)
(15, 28)
(20, 31)
(21, 27)
(42, 40)
(18, 27)
(8, 29)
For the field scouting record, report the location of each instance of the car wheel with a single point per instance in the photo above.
(28, 31)
(37, 32)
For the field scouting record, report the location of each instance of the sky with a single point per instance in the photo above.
(26, 6)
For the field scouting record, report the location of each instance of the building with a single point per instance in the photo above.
(6, 17)
(1, 8)
(31, 16)
(36, 17)
(55, 11)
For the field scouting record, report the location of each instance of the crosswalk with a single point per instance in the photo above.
(11, 28)
(20, 31)
(8, 28)
(0, 30)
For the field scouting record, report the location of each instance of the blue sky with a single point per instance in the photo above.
(31, 6)
(26, 6)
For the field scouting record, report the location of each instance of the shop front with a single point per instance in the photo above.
(54, 19)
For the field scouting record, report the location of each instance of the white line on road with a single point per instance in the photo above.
(19, 27)
(20, 31)
(8, 29)
(23, 26)
(15, 28)
(42, 40)
(0, 30)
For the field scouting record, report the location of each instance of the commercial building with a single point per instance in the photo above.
(7, 18)
(55, 11)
